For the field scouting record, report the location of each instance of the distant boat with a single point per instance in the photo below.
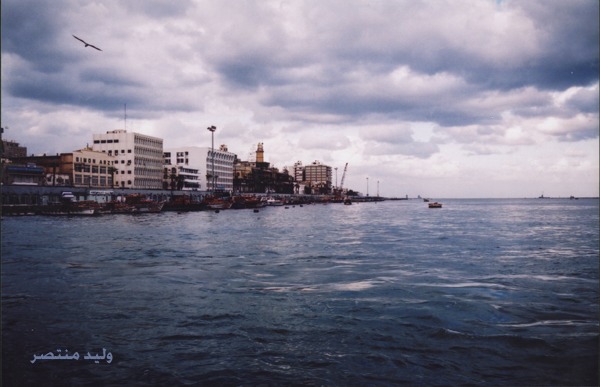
(82, 208)
(347, 201)
(274, 202)
(218, 203)
(426, 200)
(435, 205)
(140, 203)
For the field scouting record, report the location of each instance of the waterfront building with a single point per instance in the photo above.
(80, 168)
(298, 172)
(12, 149)
(318, 177)
(259, 177)
(90, 168)
(178, 174)
(17, 174)
(195, 165)
(139, 158)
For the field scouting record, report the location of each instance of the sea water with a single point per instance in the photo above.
(479, 292)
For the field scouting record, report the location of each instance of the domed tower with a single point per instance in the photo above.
(260, 153)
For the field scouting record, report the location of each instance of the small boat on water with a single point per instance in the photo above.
(184, 203)
(435, 205)
(274, 202)
(133, 204)
(214, 203)
(242, 202)
(82, 208)
(347, 201)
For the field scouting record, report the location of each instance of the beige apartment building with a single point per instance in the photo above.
(138, 158)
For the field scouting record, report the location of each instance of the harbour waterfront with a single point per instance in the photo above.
(480, 292)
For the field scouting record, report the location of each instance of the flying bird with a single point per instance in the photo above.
(86, 43)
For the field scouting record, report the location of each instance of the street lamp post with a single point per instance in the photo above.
(367, 186)
(212, 135)
(336, 178)
(377, 188)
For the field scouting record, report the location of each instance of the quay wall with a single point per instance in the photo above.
(43, 195)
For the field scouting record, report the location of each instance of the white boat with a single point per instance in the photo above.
(274, 202)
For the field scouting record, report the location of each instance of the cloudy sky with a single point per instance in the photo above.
(467, 98)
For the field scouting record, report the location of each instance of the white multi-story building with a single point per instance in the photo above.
(139, 158)
(298, 172)
(179, 173)
(201, 159)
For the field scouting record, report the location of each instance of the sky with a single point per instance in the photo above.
(443, 99)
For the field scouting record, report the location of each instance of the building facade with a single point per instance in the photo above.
(318, 176)
(200, 159)
(179, 174)
(259, 177)
(81, 168)
(139, 158)
(11, 149)
(89, 168)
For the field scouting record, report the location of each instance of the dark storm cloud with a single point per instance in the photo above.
(585, 101)
(31, 30)
(62, 89)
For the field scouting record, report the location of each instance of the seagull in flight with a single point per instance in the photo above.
(87, 44)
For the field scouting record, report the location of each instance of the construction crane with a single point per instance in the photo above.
(343, 176)
(338, 190)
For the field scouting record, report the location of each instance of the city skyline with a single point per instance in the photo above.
(440, 99)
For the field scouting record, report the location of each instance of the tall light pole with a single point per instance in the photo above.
(367, 186)
(377, 188)
(335, 178)
(212, 135)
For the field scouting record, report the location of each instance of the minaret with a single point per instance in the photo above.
(260, 153)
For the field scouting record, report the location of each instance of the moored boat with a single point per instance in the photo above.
(435, 205)
(82, 208)
(274, 202)
(184, 204)
(141, 204)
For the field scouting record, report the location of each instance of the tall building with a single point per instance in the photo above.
(298, 172)
(139, 158)
(201, 160)
(318, 175)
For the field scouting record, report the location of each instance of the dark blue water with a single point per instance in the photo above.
(480, 292)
